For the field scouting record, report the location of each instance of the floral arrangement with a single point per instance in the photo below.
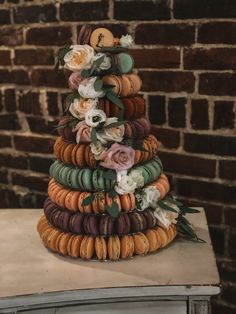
(106, 135)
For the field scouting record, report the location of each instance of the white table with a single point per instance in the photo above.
(178, 279)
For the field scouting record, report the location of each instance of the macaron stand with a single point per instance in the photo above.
(115, 240)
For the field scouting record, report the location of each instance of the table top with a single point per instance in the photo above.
(27, 267)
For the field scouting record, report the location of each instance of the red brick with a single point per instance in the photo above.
(224, 115)
(210, 144)
(167, 81)
(34, 14)
(157, 111)
(165, 34)
(52, 103)
(10, 100)
(49, 36)
(40, 199)
(221, 308)
(223, 84)
(227, 169)
(8, 198)
(40, 164)
(189, 165)
(20, 77)
(5, 76)
(34, 57)
(169, 138)
(144, 10)
(85, 11)
(160, 58)
(217, 33)
(29, 103)
(176, 112)
(230, 217)
(208, 191)
(3, 176)
(11, 36)
(4, 17)
(5, 141)
(5, 57)
(227, 270)
(195, 9)
(40, 125)
(9, 122)
(231, 244)
(33, 182)
(11, 161)
(199, 114)
(210, 59)
(50, 78)
(34, 144)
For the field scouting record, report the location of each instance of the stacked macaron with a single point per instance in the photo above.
(107, 180)
(112, 247)
(81, 155)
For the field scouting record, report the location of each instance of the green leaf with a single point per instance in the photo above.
(94, 135)
(98, 85)
(116, 100)
(114, 125)
(88, 200)
(112, 193)
(115, 49)
(188, 210)
(62, 52)
(98, 62)
(170, 199)
(109, 174)
(166, 207)
(113, 210)
(86, 73)
(186, 229)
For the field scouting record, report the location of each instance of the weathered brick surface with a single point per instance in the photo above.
(185, 54)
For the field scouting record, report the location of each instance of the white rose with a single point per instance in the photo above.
(79, 107)
(165, 218)
(79, 58)
(86, 88)
(150, 197)
(106, 63)
(97, 148)
(111, 134)
(94, 117)
(137, 177)
(125, 184)
(126, 41)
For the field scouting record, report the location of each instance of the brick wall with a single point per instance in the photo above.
(185, 51)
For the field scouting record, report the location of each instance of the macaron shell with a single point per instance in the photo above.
(141, 244)
(125, 62)
(114, 248)
(101, 37)
(101, 248)
(87, 247)
(127, 246)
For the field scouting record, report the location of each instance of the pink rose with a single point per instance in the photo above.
(118, 157)
(83, 134)
(74, 80)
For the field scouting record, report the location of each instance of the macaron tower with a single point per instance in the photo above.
(108, 197)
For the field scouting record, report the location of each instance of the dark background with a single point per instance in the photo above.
(185, 52)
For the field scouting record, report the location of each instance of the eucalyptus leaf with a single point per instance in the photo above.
(94, 135)
(166, 207)
(86, 73)
(98, 85)
(113, 210)
(112, 193)
(170, 199)
(62, 52)
(88, 200)
(188, 210)
(98, 62)
(116, 100)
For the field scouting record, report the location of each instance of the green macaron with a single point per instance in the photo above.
(125, 62)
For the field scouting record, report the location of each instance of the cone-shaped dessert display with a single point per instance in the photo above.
(108, 197)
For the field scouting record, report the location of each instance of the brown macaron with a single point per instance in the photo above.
(87, 247)
(127, 246)
(101, 248)
(114, 248)
(141, 244)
